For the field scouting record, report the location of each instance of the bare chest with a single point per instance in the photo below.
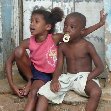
(76, 52)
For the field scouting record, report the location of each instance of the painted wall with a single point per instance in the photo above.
(6, 33)
(107, 8)
(9, 30)
(1, 41)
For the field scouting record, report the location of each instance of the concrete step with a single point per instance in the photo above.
(72, 101)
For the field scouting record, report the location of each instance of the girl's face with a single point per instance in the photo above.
(38, 26)
(73, 27)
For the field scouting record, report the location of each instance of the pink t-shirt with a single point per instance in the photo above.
(43, 55)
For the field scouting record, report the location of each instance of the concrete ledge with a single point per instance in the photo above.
(72, 101)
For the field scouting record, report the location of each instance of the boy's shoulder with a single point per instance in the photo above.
(87, 42)
(89, 45)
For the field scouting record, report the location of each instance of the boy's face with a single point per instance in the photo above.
(73, 27)
(37, 25)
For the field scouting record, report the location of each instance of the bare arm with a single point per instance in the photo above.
(8, 67)
(24, 44)
(99, 67)
(55, 86)
(96, 26)
(9, 64)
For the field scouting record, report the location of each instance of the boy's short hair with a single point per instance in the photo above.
(80, 16)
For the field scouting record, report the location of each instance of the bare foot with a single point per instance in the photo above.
(27, 88)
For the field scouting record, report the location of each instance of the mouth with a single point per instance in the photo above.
(32, 30)
(66, 37)
(66, 33)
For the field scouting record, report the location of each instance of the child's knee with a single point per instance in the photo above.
(19, 52)
(32, 94)
(96, 93)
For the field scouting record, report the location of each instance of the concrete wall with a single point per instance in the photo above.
(9, 30)
(6, 33)
(1, 42)
(107, 8)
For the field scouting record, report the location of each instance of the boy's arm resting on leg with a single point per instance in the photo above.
(55, 85)
(96, 26)
(99, 67)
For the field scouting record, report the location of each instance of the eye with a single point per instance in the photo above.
(73, 27)
(36, 21)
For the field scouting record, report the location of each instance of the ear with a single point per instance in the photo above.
(48, 26)
(83, 31)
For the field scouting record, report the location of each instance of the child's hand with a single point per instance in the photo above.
(18, 91)
(55, 86)
(102, 17)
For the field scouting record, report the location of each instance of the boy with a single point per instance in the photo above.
(80, 77)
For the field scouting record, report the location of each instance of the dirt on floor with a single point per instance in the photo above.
(10, 102)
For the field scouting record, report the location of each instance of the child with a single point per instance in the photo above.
(80, 77)
(42, 46)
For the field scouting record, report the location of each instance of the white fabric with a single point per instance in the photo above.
(76, 82)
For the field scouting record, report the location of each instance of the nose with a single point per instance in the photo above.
(66, 29)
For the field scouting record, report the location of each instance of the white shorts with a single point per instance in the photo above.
(76, 82)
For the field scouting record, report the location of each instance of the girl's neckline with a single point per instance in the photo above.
(40, 42)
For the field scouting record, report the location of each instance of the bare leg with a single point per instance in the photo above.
(23, 64)
(32, 96)
(42, 104)
(94, 92)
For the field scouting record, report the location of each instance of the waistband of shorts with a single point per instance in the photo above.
(77, 73)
